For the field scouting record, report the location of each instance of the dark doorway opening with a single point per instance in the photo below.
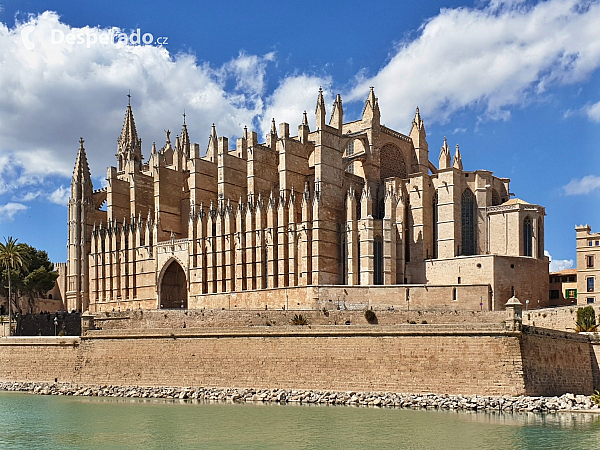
(173, 288)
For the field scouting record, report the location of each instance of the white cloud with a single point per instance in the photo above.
(593, 112)
(489, 59)
(582, 186)
(28, 196)
(60, 196)
(295, 94)
(556, 265)
(8, 211)
(55, 93)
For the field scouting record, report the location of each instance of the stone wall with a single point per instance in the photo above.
(140, 320)
(555, 362)
(457, 359)
(562, 318)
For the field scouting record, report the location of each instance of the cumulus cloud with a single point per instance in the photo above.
(582, 186)
(57, 92)
(593, 112)
(556, 265)
(9, 210)
(489, 58)
(60, 196)
(295, 94)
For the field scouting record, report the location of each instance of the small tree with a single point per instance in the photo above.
(31, 275)
(12, 256)
(586, 320)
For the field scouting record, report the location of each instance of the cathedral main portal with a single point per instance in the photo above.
(173, 288)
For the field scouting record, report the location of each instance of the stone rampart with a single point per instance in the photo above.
(481, 359)
(562, 318)
(143, 319)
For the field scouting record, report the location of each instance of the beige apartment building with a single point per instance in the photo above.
(588, 261)
(349, 214)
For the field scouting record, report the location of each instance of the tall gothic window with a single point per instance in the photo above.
(495, 198)
(407, 235)
(350, 152)
(378, 261)
(468, 223)
(527, 237)
(540, 240)
(435, 226)
(350, 149)
(344, 256)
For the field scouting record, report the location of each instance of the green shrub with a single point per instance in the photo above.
(299, 319)
(595, 398)
(61, 333)
(371, 316)
(586, 320)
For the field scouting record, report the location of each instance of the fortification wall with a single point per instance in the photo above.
(465, 359)
(555, 362)
(561, 318)
(141, 319)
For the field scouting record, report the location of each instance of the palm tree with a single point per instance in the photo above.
(12, 256)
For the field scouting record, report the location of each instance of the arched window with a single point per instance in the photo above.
(527, 237)
(468, 223)
(495, 198)
(435, 226)
(378, 260)
(392, 162)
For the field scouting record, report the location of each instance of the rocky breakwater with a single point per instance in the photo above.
(566, 402)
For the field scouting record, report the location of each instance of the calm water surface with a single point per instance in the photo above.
(50, 422)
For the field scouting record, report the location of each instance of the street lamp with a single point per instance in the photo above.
(55, 324)
(526, 305)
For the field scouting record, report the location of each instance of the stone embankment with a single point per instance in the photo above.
(566, 402)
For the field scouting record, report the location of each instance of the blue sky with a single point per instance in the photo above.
(515, 83)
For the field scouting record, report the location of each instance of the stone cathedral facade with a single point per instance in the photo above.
(349, 215)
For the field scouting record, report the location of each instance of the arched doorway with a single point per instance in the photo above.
(173, 288)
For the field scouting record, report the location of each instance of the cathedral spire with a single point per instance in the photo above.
(129, 145)
(320, 110)
(337, 116)
(444, 161)
(457, 162)
(185, 138)
(211, 151)
(417, 121)
(371, 109)
(304, 119)
(81, 172)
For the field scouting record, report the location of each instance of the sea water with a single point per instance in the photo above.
(59, 422)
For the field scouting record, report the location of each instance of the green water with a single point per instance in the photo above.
(51, 422)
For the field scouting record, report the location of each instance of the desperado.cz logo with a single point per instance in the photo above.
(89, 38)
